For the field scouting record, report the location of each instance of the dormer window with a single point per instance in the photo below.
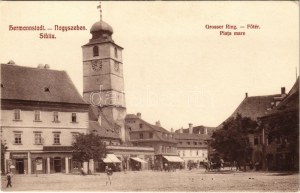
(47, 89)
(95, 51)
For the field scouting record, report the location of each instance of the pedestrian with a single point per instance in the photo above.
(82, 172)
(8, 177)
(109, 173)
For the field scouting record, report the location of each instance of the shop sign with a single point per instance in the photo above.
(19, 156)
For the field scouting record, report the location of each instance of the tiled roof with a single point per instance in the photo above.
(106, 129)
(101, 131)
(131, 116)
(154, 127)
(253, 107)
(36, 84)
(290, 103)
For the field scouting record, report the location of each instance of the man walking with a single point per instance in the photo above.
(8, 177)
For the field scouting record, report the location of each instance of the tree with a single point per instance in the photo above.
(232, 142)
(88, 146)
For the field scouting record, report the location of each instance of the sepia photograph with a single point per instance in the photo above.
(149, 96)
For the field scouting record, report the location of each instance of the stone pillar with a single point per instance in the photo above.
(85, 167)
(67, 164)
(48, 165)
(91, 166)
(29, 164)
(6, 158)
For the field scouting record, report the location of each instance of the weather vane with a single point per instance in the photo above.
(99, 7)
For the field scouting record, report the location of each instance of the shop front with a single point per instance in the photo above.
(136, 164)
(18, 163)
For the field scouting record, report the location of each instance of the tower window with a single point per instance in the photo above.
(95, 51)
(116, 52)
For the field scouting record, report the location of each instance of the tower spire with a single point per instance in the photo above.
(99, 7)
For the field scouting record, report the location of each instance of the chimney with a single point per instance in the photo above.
(282, 90)
(205, 130)
(190, 128)
(157, 123)
(181, 130)
(172, 130)
(139, 115)
(246, 95)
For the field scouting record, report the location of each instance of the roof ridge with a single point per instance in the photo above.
(31, 67)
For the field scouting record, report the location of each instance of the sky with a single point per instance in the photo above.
(175, 69)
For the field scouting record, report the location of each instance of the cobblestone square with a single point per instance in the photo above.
(183, 181)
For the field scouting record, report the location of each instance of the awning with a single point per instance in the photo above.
(173, 159)
(111, 158)
(138, 159)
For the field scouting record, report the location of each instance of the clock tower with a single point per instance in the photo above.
(103, 83)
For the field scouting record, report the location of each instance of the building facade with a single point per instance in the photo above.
(192, 148)
(280, 134)
(41, 114)
(255, 107)
(142, 133)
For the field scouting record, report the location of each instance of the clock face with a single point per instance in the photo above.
(117, 66)
(97, 65)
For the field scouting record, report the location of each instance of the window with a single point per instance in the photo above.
(55, 116)
(18, 138)
(200, 143)
(116, 52)
(74, 120)
(141, 136)
(197, 152)
(188, 143)
(255, 140)
(17, 114)
(95, 51)
(141, 126)
(38, 138)
(195, 143)
(150, 135)
(74, 136)
(56, 137)
(37, 115)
